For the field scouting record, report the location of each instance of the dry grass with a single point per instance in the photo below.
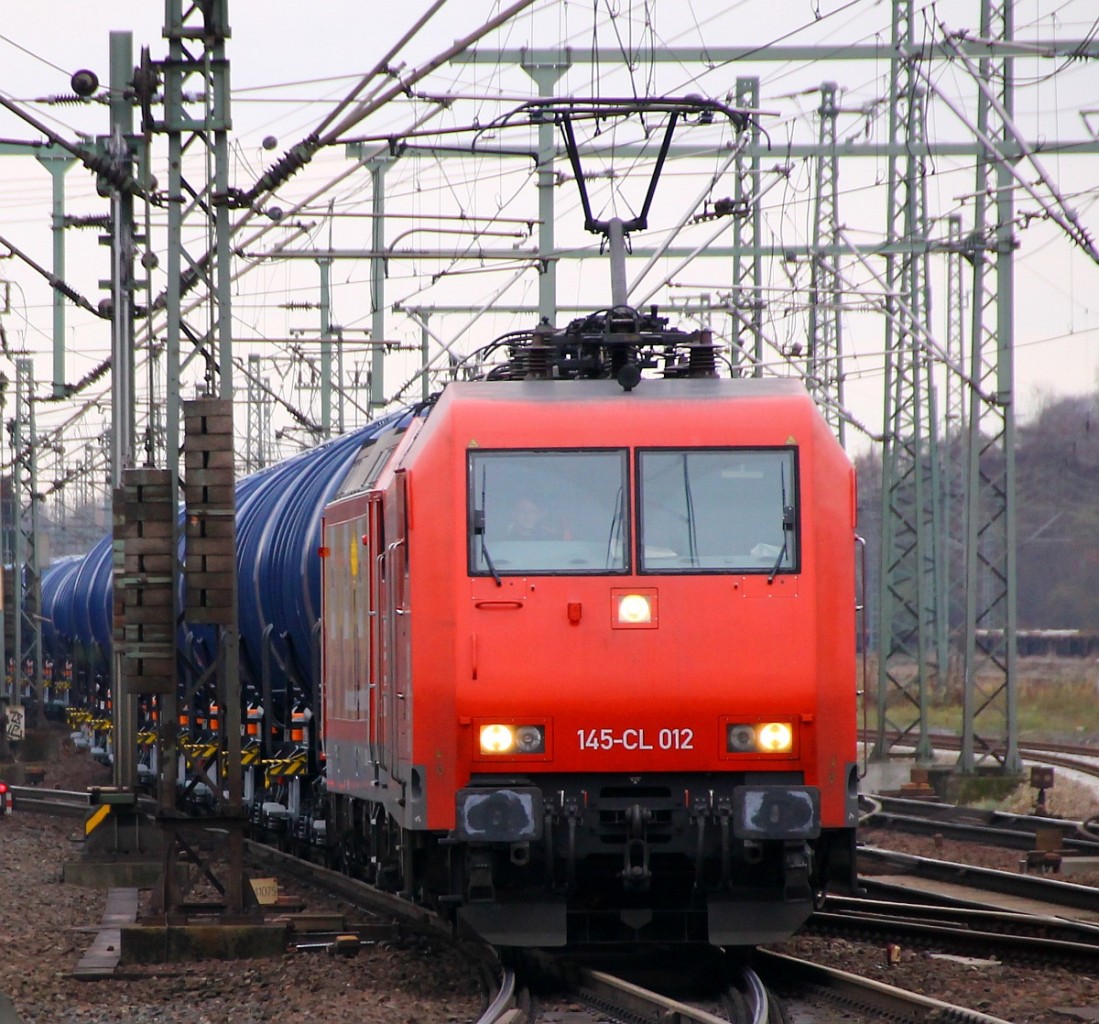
(1058, 700)
(1068, 798)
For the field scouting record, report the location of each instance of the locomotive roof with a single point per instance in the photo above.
(649, 390)
(678, 392)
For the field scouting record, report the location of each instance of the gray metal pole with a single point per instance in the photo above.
(58, 166)
(123, 413)
(425, 356)
(546, 76)
(377, 287)
(326, 345)
(616, 247)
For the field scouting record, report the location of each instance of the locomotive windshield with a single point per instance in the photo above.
(547, 512)
(718, 510)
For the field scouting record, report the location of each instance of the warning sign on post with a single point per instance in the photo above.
(266, 890)
(16, 716)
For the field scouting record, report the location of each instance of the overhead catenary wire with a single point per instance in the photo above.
(460, 181)
(1067, 221)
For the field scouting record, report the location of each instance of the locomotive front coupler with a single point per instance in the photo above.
(636, 874)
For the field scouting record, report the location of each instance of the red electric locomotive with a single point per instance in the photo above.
(589, 647)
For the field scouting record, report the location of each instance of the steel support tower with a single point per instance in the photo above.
(257, 453)
(746, 326)
(26, 553)
(197, 122)
(990, 718)
(906, 591)
(824, 374)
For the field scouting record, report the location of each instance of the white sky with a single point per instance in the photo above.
(291, 63)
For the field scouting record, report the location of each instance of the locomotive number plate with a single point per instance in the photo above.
(636, 739)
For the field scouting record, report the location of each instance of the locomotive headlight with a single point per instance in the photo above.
(634, 609)
(759, 738)
(530, 739)
(498, 738)
(741, 739)
(776, 738)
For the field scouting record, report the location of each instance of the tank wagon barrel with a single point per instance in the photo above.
(278, 573)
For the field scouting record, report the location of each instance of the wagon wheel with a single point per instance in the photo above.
(349, 856)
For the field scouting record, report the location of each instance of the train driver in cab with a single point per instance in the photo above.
(530, 521)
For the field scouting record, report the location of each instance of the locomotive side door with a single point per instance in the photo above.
(394, 723)
(375, 536)
(402, 622)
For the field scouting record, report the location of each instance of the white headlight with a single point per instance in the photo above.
(776, 737)
(634, 608)
(497, 739)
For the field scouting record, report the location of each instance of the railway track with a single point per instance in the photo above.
(806, 988)
(794, 994)
(976, 932)
(599, 996)
(970, 824)
(773, 987)
(585, 994)
(878, 870)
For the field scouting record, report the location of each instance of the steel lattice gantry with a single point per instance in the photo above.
(990, 728)
(196, 122)
(906, 591)
(746, 326)
(26, 570)
(825, 366)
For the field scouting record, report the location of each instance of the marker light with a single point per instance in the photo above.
(497, 738)
(634, 609)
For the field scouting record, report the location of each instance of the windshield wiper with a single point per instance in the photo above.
(692, 527)
(781, 556)
(787, 525)
(616, 527)
(479, 531)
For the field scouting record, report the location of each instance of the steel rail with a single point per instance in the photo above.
(501, 1007)
(783, 972)
(60, 802)
(605, 990)
(944, 934)
(975, 918)
(1008, 883)
(988, 827)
